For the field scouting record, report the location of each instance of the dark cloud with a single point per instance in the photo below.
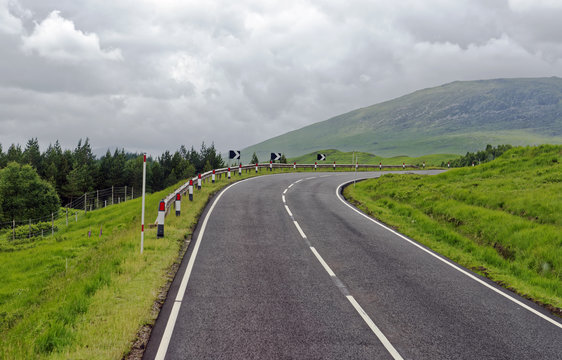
(152, 75)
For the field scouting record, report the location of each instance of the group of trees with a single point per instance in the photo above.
(489, 154)
(71, 173)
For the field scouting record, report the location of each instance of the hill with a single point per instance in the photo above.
(501, 218)
(341, 157)
(453, 118)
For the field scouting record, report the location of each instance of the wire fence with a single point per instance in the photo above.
(29, 229)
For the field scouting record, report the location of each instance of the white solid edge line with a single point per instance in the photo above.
(447, 261)
(374, 328)
(284, 192)
(299, 228)
(326, 267)
(166, 337)
(290, 186)
(283, 197)
(298, 181)
(288, 211)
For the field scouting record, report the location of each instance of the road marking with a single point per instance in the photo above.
(284, 192)
(298, 227)
(310, 178)
(473, 277)
(326, 267)
(165, 342)
(288, 211)
(290, 186)
(298, 181)
(283, 197)
(343, 289)
(374, 328)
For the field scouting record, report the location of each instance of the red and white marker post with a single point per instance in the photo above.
(160, 219)
(315, 165)
(240, 169)
(380, 166)
(213, 176)
(295, 165)
(256, 168)
(190, 189)
(448, 164)
(199, 182)
(228, 173)
(178, 204)
(403, 165)
(143, 196)
(334, 165)
(270, 165)
(424, 164)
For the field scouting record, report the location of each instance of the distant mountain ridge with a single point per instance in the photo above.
(453, 118)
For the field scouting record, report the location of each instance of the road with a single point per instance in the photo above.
(284, 269)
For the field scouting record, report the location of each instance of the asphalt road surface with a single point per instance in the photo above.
(281, 268)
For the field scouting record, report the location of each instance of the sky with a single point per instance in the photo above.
(151, 75)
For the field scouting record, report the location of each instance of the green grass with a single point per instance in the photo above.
(502, 218)
(341, 157)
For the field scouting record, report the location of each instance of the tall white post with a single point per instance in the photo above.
(143, 192)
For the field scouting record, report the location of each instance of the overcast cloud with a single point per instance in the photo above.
(150, 75)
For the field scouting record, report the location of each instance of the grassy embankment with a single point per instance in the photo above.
(503, 218)
(341, 157)
(68, 296)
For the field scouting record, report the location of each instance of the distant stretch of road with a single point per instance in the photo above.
(280, 267)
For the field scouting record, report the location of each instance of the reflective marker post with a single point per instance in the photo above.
(199, 182)
(213, 177)
(143, 192)
(178, 204)
(190, 189)
(160, 219)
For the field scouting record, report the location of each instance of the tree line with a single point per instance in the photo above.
(71, 173)
(489, 154)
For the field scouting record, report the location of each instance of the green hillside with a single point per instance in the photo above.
(452, 118)
(341, 157)
(502, 218)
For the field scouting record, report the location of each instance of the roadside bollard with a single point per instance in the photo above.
(228, 173)
(190, 189)
(424, 164)
(178, 204)
(334, 165)
(270, 165)
(448, 164)
(256, 168)
(199, 182)
(315, 165)
(160, 219)
(213, 177)
(240, 169)
(403, 165)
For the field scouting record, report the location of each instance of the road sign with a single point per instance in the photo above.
(275, 156)
(234, 154)
(320, 157)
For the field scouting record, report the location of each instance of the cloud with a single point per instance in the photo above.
(58, 39)
(9, 23)
(154, 74)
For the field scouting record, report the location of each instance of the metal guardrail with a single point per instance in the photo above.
(182, 190)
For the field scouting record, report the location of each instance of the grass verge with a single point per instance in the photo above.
(502, 219)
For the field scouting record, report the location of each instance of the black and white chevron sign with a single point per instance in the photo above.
(320, 157)
(234, 154)
(275, 156)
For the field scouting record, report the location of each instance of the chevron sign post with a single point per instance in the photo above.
(320, 157)
(275, 156)
(234, 154)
